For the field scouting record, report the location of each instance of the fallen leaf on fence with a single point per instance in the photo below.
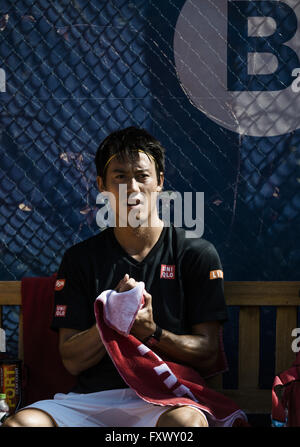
(24, 207)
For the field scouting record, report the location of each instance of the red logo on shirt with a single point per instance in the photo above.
(59, 284)
(167, 271)
(60, 310)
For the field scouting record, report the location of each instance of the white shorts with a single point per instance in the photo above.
(112, 408)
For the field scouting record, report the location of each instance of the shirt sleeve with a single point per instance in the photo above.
(71, 303)
(203, 283)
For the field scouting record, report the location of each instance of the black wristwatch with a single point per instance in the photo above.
(153, 338)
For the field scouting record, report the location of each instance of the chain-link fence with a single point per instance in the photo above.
(210, 81)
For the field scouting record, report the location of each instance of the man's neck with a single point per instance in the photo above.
(138, 242)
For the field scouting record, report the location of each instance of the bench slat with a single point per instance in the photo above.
(10, 293)
(238, 293)
(249, 346)
(258, 293)
(286, 321)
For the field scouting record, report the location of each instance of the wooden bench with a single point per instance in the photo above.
(249, 297)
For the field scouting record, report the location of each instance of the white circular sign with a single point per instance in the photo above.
(200, 51)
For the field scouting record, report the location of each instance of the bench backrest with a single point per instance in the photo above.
(249, 297)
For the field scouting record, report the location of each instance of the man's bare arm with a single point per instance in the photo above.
(80, 350)
(199, 350)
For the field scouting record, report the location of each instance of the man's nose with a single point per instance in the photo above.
(132, 185)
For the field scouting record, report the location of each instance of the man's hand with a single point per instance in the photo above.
(143, 325)
(125, 284)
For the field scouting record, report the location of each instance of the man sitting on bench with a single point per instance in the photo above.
(184, 303)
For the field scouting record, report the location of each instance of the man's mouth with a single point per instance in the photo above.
(134, 202)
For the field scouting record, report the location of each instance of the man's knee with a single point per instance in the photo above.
(31, 417)
(183, 417)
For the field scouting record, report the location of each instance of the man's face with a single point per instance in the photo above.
(135, 187)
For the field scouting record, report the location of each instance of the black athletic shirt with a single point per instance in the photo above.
(183, 275)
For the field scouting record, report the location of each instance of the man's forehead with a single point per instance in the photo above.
(141, 162)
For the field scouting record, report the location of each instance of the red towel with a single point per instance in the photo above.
(156, 380)
(45, 374)
(286, 396)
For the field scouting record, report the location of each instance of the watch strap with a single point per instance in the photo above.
(155, 337)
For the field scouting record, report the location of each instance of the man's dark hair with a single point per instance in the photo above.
(126, 143)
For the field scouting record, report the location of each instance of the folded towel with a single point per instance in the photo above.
(121, 308)
(154, 379)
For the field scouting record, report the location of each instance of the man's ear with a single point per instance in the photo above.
(100, 184)
(161, 182)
